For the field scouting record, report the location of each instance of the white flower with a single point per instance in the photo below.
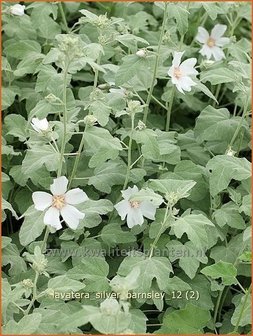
(181, 73)
(213, 42)
(40, 125)
(60, 203)
(134, 210)
(18, 10)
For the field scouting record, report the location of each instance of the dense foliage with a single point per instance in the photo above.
(126, 173)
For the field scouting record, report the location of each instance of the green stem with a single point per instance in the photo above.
(168, 209)
(129, 154)
(63, 143)
(242, 310)
(34, 294)
(63, 17)
(44, 242)
(169, 109)
(217, 306)
(156, 65)
(239, 125)
(81, 145)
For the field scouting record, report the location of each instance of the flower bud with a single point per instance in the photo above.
(90, 120)
(141, 126)
(110, 307)
(141, 53)
(18, 10)
(27, 283)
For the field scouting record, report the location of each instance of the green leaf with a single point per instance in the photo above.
(32, 226)
(39, 156)
(96, 137)
(194, 227)
(158, 268)
(16, 126)
(223, 270)
(180, 14)
(112, 234)
(7, 206)
(27, 325)
(216, 128)
(224, 168)
(244, 305)
(8, 97)
(201, 87)
(181, 321)
(229, 214)
(101, 111)
(219, 76)
(63, 284)
(21, 49)
(168, 186)
(128, 69)
(94, 270)
(11, 255)
(93, 210)
(107, 175)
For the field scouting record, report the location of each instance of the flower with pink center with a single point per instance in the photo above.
(135, 211)
(182, 73)
(60, 203)
(212, 43)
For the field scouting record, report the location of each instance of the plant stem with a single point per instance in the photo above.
(169, 109)
(217, 306)
(44, 242)
(129, 153)
(242, 310)
(63, 17)
(34, 293)
(239, 125)
(83, 133)
(168, 209)
(63, 143)
(156, 65)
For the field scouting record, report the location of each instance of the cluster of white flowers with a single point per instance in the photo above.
(183, 74)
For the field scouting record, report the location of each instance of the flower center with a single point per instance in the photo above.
(177, 72)
(58, 201)
(210, 42)
(135, 204)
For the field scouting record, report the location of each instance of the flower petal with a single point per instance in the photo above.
(177, 58)
(52, 218)
(202, 35)
(75, 196)
(42, 200)
(187, 67)
(59, 186)
(178, 86)
(222, 41)
(71, 216)
(123, 208)
(134, 217)
(186, 83)
(148, 209)
(206, 51)
(171, 71)
(129, 192)
(218, 53)
(217, 31)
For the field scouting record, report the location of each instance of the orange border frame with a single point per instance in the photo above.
(15, 1)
